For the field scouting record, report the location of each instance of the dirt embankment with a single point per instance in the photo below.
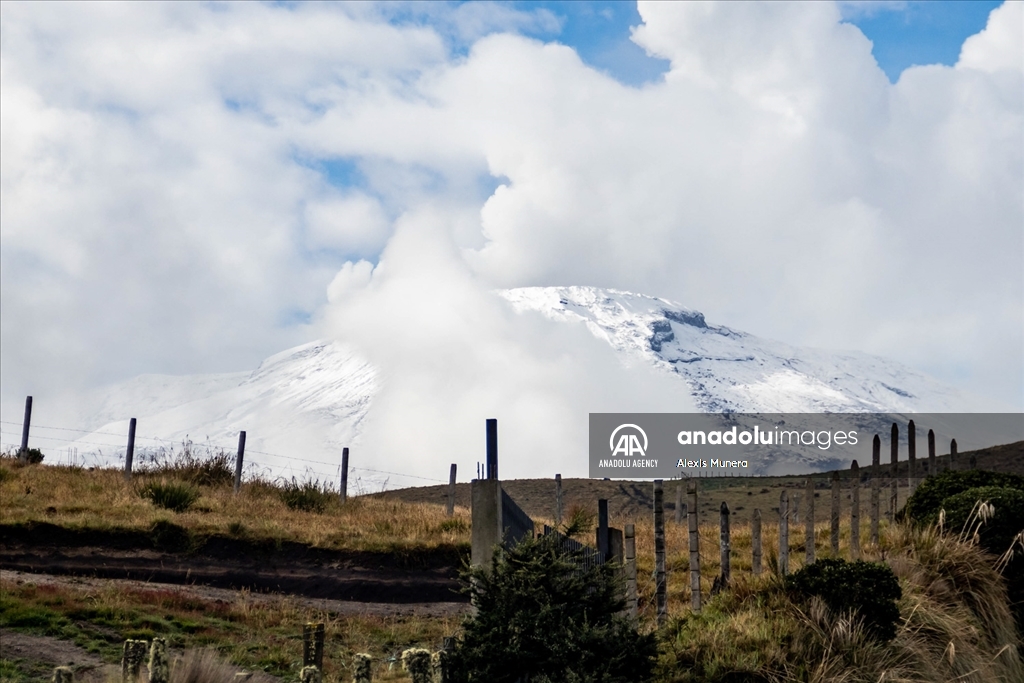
(169, 554)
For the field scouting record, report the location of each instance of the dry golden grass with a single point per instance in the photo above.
(101, 499)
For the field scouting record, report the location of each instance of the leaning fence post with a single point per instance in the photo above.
(952, 454)
(660, 586)
(451, 491)
(835, 514)
(694, 546)
(313, 645)
(129, 454)
(855, 512)
(755, 542)
(25, 427)
(238, 461)
(724, 544)
(343, 488)
(558, 500)
(911, 456)
(809, 523)
(894, 451)
(629, 535)
(783, 533)
(931, 453)
(876, 465)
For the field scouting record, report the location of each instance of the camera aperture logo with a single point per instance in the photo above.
(629, 442)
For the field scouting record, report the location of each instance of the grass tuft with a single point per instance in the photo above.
(172, 495)
(309, 496)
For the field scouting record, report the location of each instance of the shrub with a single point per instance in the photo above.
(539, 618)
(868, 589)
(995, 534)
(309, 496)
(211, 469)
(174, 495)
(924, 505)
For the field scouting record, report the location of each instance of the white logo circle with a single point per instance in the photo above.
(611, 439)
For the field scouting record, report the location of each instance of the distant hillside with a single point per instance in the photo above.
(633, 499)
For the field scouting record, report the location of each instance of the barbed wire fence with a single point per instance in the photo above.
(60, 446)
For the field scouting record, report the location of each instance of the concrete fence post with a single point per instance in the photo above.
(755, 542)
(809, 539)
(129, 453)
(159, 662)
(313, 645)
(25, 426)
(133, 656)
(238, 461)
(783, 533)
(931, 453)
(723, 537)
(362, 670)
(855, 512)
(876, 466)
(486, 526)
(603, 544)
(660, 584)
(911, 457)
(343, 487)
(629, 544)
(794, 509)
(680, 505)
(692, 523)
(63, 674)
(894, 453)
(558, 500)
(834, 527)
(310, 674)
(450, 510)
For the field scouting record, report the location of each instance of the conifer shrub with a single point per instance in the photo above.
(924, 505)
(541, 619)
(868, 589)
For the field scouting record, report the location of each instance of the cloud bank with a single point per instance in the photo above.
(190, 188)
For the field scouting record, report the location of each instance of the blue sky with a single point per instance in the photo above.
(903, 33)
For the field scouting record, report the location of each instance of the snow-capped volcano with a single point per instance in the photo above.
(301, 406)
(732, 371)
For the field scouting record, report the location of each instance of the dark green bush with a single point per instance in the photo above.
(173, 495)
(996, 534)
(309, 496)
(539, 620)
(32, 456)
(870, 589)
(924, 505)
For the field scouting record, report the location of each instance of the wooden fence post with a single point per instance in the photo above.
(794, 509)
(603, 546)
(783, 533)
(876, 465)
(723, 538)
(25, 425)
(931, 453)
(855, 512)
(629, 535)
(680, 506)
(558, 500)
(952, 454)
(313, 645)
(809, 539)
(238, 461)
(835, 514)
(343, 489)
(492, 448)
(911, 457)
(451, 491)
(129, 453)
(660, 585)
(132, 658)
(894, 452)
(694, 546)
(755, 542)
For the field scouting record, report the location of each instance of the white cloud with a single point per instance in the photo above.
(163, 212)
